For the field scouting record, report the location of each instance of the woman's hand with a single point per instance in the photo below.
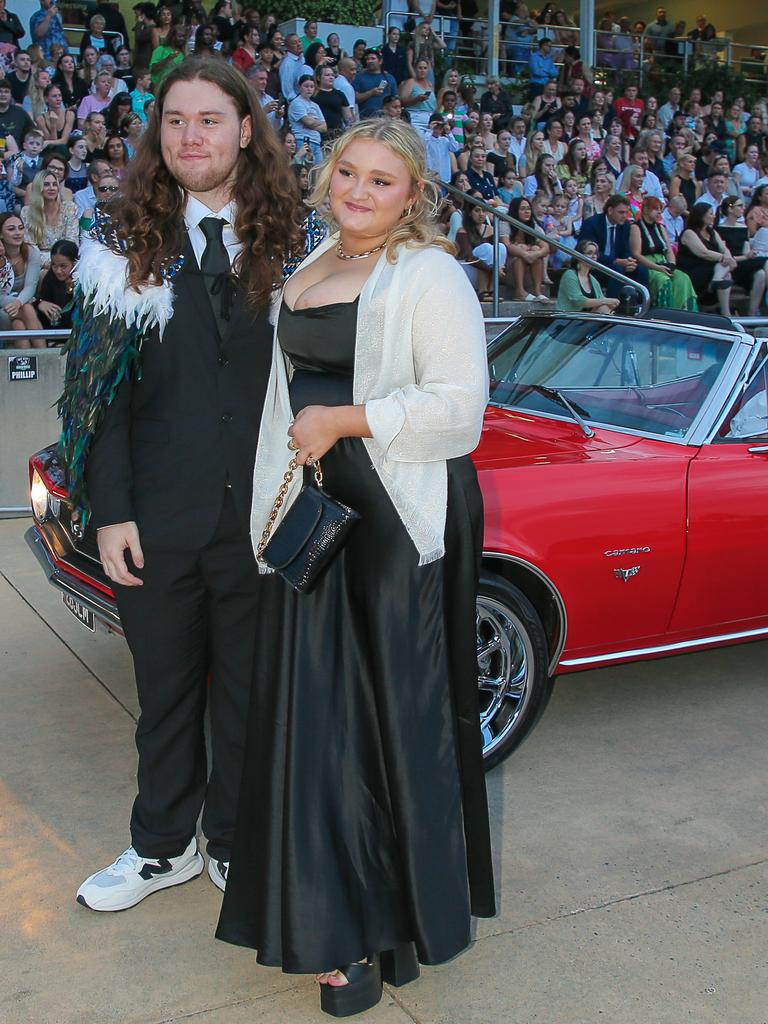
(51, 310)
(13, 308)
(313, 433)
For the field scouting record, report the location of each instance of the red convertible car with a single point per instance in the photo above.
(624, 466)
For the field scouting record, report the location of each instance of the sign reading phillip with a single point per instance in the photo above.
(22, 368)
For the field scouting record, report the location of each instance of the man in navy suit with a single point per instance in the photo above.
(610, 232)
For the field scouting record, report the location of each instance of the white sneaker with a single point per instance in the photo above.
(126, 882)
(217, 871)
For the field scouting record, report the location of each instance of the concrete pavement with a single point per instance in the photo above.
(629, 834)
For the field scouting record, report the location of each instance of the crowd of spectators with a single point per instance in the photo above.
(672, 190)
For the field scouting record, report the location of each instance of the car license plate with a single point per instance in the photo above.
(83, 614)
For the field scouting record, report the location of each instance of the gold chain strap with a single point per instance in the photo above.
(293, 465)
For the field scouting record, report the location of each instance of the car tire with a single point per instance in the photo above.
(512, 662)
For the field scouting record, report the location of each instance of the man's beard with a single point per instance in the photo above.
(203, 179)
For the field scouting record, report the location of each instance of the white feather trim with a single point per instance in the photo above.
(102, 275)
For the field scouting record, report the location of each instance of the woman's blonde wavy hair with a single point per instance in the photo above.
(36, 207)
(418, 227)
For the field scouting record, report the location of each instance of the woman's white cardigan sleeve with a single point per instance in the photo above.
(439, 416)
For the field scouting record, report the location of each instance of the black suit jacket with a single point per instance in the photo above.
(171, 440)
(595, 229)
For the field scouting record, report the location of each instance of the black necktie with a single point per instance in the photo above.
(611, 240)
(216, 269)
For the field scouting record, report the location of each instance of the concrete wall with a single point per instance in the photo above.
(28, 420)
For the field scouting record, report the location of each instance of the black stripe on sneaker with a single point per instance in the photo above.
(162, 867)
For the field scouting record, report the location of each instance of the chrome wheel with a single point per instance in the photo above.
(504, 671)
(512, 666)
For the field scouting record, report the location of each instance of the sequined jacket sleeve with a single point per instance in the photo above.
(440, 415)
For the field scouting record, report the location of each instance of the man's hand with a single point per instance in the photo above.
(113, 542)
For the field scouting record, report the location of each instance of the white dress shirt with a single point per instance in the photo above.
(85, 199)
(345, 88)
(709, 199)
(290, 71)
(265, 99)
(439, 154)
(652, 186)
(517, 149)
(666, 112)
(195, 211)
(674, 225)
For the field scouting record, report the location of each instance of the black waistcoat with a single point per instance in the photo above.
(195, 415)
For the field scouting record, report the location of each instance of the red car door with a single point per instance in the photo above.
(725, 580)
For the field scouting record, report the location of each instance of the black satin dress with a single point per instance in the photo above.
(363, 819)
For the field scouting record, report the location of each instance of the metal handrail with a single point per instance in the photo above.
(535, 233)
(51, 333)
(750, 321)
(722, 48)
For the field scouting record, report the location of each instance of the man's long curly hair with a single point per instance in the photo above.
(149, 218)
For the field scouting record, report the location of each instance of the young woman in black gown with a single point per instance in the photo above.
(362, 844)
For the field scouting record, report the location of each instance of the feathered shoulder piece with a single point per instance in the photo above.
(110, 321)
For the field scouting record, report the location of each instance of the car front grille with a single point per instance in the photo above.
(88, 545)
(81, 553)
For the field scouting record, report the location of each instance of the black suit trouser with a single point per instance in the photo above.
(191, 630)
(612, 287)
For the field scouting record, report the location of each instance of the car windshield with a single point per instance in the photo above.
(635, 376)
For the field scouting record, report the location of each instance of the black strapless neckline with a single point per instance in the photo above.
(314, 309)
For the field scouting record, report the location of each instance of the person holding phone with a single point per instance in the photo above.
(306, 118)
(373, 85)
(417, 96)
(258, 76)
(11, 29)
(46, 28)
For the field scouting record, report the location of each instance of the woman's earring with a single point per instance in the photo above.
(408, 212)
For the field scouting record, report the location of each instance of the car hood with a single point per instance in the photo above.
(514, 437)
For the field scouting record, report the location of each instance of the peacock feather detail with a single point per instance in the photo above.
(110, 320)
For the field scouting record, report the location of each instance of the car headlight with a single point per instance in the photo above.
(38, 495)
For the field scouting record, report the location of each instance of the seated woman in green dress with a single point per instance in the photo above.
(580, 291)
(650, 245)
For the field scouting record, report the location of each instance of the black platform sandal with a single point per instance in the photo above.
(400, 965)
(362, 992)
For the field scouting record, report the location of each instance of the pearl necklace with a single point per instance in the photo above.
(357, 255)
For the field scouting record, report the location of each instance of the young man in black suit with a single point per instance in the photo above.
(610, 232)
(169, 467)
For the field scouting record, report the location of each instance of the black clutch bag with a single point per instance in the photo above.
(313, 530)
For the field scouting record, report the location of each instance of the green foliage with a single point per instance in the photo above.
(709, 77)
(339, 12)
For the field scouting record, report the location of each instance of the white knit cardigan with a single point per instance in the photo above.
(420, 370)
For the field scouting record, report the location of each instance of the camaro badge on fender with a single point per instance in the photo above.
(626, 574)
